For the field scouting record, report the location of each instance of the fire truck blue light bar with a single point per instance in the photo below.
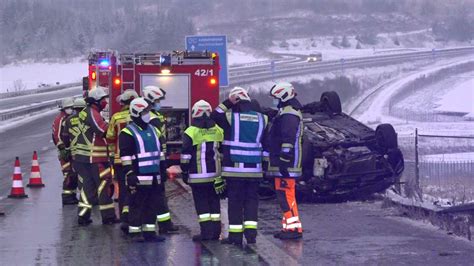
(104, 63)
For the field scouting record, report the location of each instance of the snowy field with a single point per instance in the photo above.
(34, 74)
(460, 98)
(237, 57)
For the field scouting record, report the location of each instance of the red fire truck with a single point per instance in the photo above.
(186, 77)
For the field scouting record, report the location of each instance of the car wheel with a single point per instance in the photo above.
(386, 136)
(332, 101)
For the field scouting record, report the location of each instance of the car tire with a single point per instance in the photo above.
(332, 101)
(386, 136)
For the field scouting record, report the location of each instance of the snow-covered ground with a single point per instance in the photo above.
(460, 98)
(237, 57)
(32, 75)
(379, 107)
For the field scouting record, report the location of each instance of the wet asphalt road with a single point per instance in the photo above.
(38, 230)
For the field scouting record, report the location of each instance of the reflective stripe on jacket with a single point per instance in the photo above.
(146, 158)
(118, 122)
(200, 155)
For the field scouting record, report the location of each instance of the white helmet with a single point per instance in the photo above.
(67, 103)
(97, 93)
(79, 103)
(283, 91)
(137, 106)
(127, 95)
(200, 108)
(153, 93)
(239, 94)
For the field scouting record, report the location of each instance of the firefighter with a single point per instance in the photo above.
(69, 134)
(91, 160)
(244, 129)
(200, 162)
(118, 122)
(286, 136)
(64, 155)
(153, 95)
(140, 148)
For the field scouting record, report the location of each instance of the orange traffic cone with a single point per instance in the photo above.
(35, 176)
(17, 188)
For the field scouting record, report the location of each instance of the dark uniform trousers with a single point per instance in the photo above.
(123, 192)
(69, 181)
(143, 204)
(243, 206)
(207, 204)
(163, 217)
(94, 185)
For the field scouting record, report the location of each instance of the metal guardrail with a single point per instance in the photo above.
(25, 110)
(38, 90)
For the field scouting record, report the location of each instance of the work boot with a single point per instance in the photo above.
(124, 228)
(228, 241)
(153, 238)
(110, 221)
(84, 221)
(288, 235)
(166, 229)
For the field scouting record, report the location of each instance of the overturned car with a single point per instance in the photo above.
(343, 159)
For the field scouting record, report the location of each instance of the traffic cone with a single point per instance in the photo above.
(17, 187)
(35, 176)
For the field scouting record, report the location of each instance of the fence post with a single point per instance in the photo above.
(417, 166)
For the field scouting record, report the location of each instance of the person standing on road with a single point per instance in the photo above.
(91, 161)
(153, 95)
(244, 129)
(69, 135)
(118, 122)
(201, 166)
(286, 136)
(64, 153)
(140, 148)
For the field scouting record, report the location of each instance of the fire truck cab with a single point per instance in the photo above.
(185, 76)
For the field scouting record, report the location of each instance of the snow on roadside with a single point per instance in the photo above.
(451, 101)
(18, 121)
(237, 57)
(449, 157)
(379, 107)
(34, 74)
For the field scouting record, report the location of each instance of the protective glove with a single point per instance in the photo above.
(64, 154)
(219, 185)
(185, 177)
(132, 180)
(284, 171)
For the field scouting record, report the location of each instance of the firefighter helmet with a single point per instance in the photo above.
(97, 93)
(153, 93)
(238, 94)
(79, 103)
(137, 106)
(200, 108)
(283, 91)
(67, 103)
(127, 96)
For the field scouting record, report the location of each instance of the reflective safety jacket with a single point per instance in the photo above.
(57, 126)
(91, 146)
(244, 132)
(200, 155)
(286, 136)
(140, 150)
(70, 133)
(118, 122)
(159, 121)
